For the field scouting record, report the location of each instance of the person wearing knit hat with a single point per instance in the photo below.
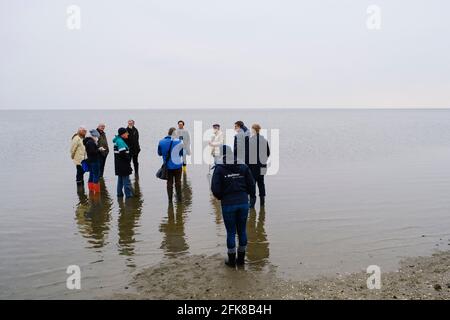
(122, 163)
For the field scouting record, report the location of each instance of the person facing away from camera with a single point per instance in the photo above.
(232, 183)
(185, 137)
(78, 154)
(122, 163)
(257, 156)
(170, 144)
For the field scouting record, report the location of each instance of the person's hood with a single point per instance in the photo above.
(116, 138)
(76, 134)
(86, 140)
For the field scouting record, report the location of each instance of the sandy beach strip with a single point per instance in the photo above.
(205, 277)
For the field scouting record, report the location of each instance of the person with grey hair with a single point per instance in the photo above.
(103, 146)
(133, 144)
(78, 153)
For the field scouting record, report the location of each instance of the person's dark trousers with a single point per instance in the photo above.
(235, 219)
(174, 175)
(102, 165)
(80, 175)
(259, 179)
(134, 157)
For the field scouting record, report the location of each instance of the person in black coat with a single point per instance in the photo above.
(257, 155)
(133, 143)
(122, 164)
(93, 160)
(232, 183)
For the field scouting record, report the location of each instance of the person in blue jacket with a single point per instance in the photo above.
(232, 183)
(172, 144)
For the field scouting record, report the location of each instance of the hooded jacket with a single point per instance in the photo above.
(92, 151)
(122, 158)
(232, 183)
(77, 150)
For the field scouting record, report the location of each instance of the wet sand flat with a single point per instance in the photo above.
(205, 277)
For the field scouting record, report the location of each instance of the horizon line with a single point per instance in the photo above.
(233, 107)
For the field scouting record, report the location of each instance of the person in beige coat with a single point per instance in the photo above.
(216, 143)
(78, 153)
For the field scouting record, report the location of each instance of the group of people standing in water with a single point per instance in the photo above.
(237, 169)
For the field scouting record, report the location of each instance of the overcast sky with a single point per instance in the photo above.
(224, 53)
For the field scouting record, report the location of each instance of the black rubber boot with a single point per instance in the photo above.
(240, 258)
(262, 201)
(252, 202)
(231, 262)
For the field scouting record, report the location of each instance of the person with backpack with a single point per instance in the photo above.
(170, 148)
(232, 183)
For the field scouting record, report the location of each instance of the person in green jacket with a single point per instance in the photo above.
(103, 146)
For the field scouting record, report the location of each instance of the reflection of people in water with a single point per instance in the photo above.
(93, 216)
(174, 240)
(217, 210)
(258, 246)
(130, 211)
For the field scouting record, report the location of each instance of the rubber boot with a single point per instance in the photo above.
(170, 195)
(252, 202)
(231, 261)
(96, 187)
(184, 168)
(240, 258)
(262, 201)
(90, 187)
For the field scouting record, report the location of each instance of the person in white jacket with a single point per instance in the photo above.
(216, 142)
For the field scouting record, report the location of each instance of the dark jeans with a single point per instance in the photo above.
(235, 219)
(102, 165)
(94, 170)
(80, 174)
(134, 157)
(174, 175)
(124, 184)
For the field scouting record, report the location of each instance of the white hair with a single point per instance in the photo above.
(82, 128)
